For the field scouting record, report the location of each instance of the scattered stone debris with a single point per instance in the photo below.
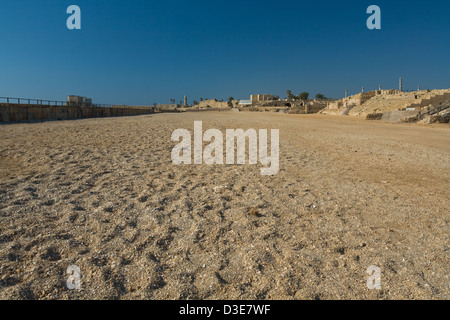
(374, 116)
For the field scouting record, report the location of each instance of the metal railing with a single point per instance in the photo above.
(11, 100)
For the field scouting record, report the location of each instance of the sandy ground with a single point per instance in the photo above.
(103, 194)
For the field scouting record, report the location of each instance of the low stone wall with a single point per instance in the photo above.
(25, 112)
(262, 109)
(399, 116)
(304, 109)
(193, 109)
(374, 116)
(213, 103)
(315, 107)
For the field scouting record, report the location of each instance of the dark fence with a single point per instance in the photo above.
(10, 100)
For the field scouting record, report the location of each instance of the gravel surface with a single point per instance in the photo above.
(103, 194)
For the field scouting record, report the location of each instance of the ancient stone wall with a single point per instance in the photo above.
(378, 102)
(213, 103)
(25, 112)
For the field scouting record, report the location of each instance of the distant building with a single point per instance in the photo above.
(261, 97)
(79, 101)
(245, 103)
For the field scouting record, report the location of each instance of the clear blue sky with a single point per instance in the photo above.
(141, 52)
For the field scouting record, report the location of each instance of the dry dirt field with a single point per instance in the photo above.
(103, 194)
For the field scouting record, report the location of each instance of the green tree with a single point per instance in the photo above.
(290, 95)
(320, 96)
(303, 96)
(195, 102)
(230, 99)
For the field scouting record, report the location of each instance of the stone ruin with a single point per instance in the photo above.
(392, 105)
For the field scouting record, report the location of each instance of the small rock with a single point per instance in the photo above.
(254, 212)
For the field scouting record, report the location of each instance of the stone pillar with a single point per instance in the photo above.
(400, 85)
(307, 109)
